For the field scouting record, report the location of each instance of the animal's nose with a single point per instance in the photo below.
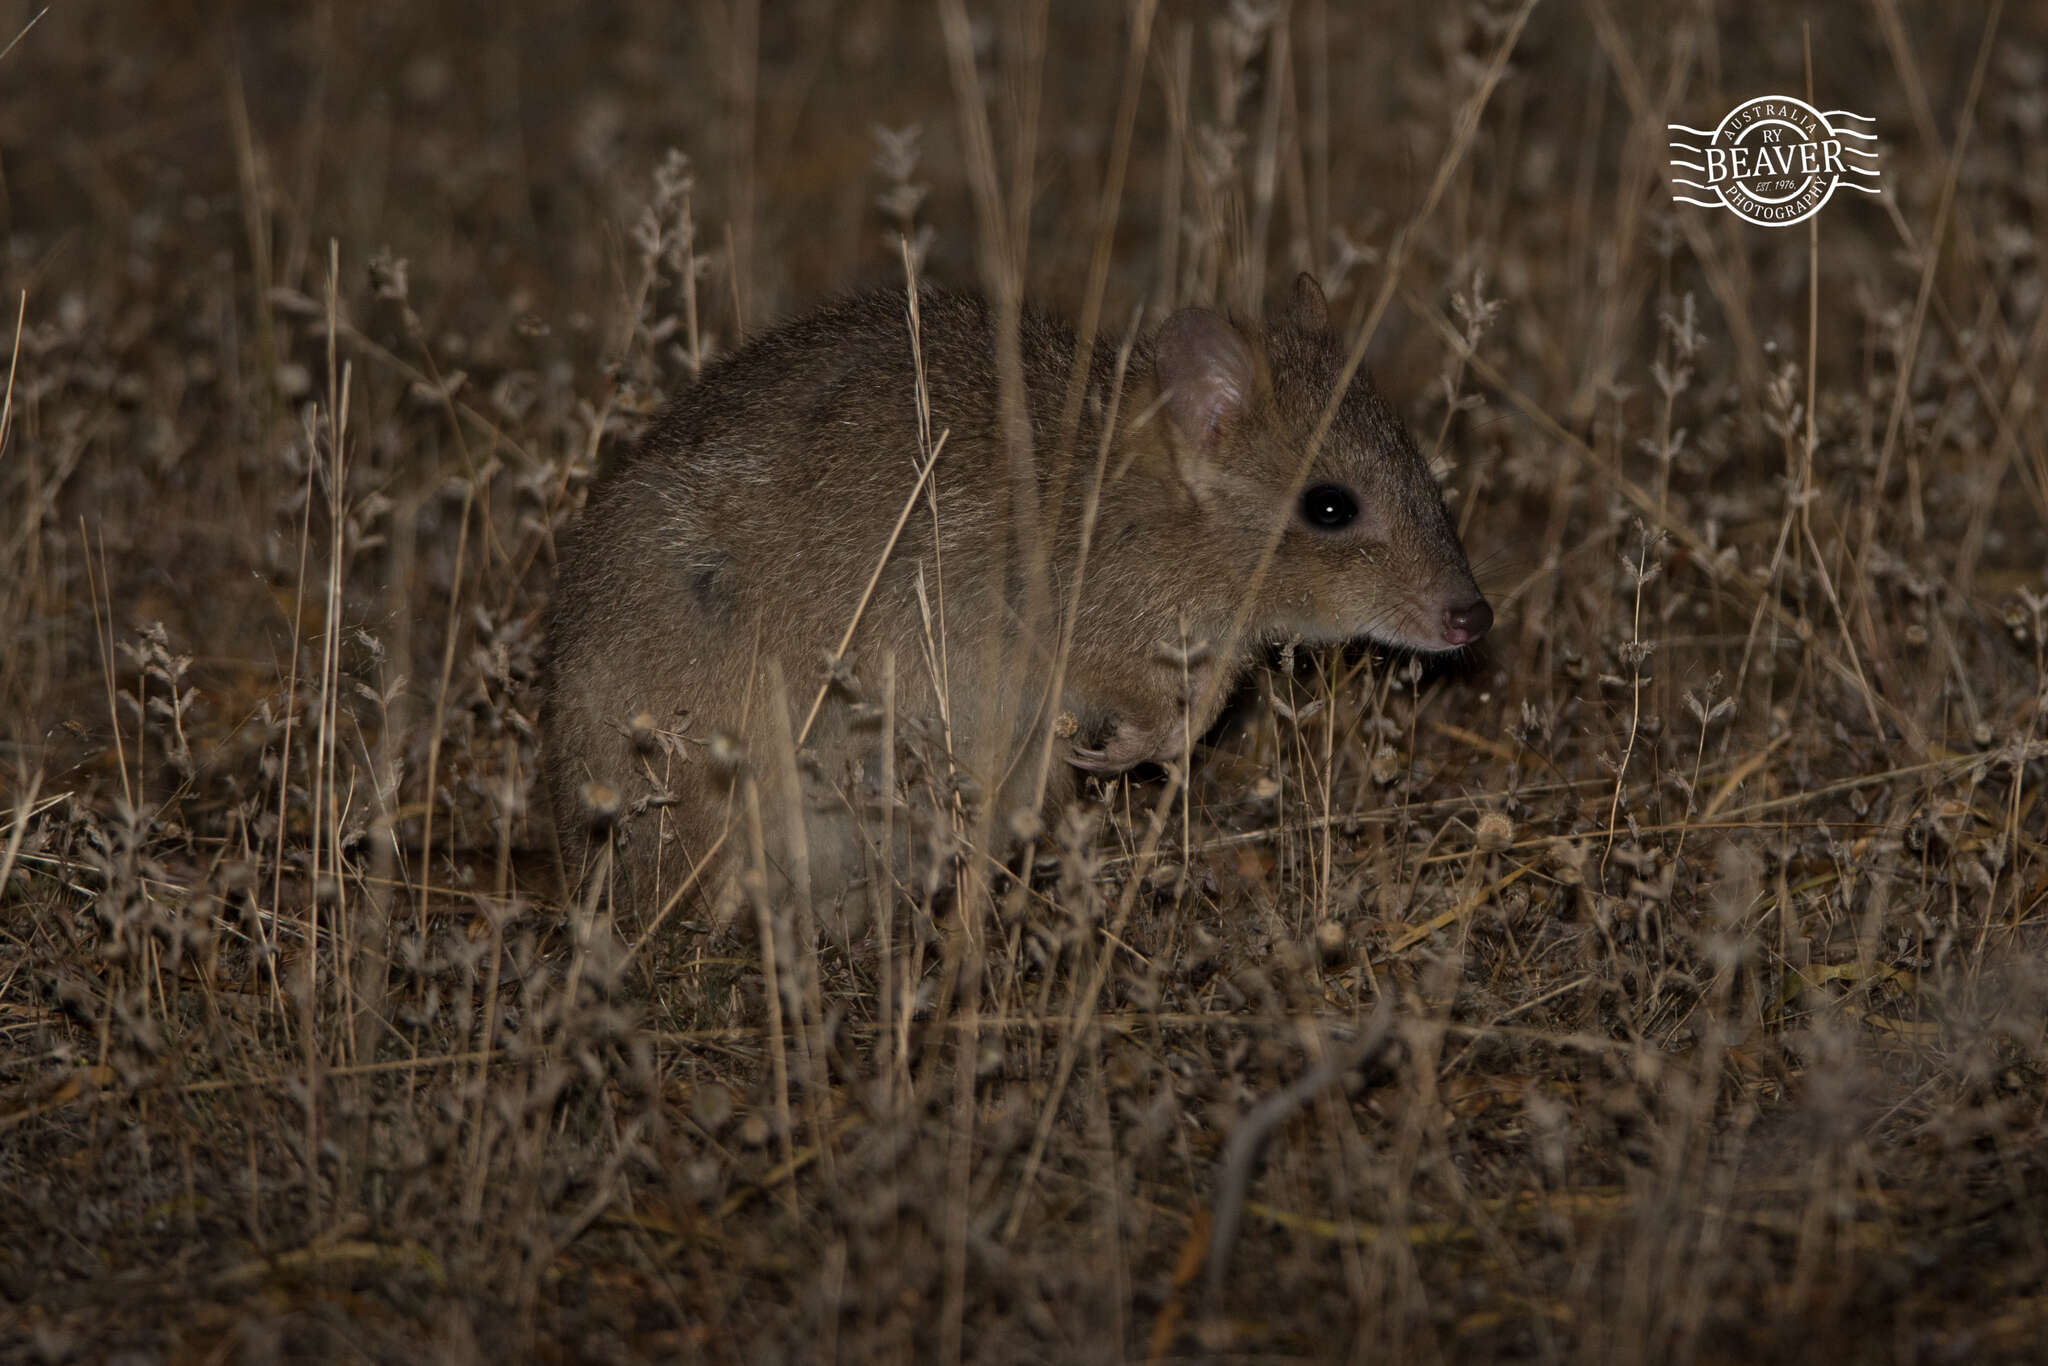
(1467, 622)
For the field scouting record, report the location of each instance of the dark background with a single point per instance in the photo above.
(1722, 1040)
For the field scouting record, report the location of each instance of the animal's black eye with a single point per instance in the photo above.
(1328, 506)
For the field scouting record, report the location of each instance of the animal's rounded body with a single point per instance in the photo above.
(1051, 602)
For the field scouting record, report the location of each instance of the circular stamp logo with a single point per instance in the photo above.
(1774, 160)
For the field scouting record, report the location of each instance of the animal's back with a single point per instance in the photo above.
(744, 526)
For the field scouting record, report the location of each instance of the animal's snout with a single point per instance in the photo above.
(1467, 622)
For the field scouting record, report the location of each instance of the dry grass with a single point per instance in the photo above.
(1667, 985)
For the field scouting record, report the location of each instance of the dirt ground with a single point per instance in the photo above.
(1666, 981)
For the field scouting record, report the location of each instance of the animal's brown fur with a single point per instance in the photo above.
(718, 564)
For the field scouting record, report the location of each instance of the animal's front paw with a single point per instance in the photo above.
(1129, 744)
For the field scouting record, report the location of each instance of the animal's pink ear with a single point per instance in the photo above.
(1308, 310)
(1205, 373)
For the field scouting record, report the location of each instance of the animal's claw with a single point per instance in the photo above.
(1091, 761)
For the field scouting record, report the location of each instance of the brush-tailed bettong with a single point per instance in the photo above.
(719, 562)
